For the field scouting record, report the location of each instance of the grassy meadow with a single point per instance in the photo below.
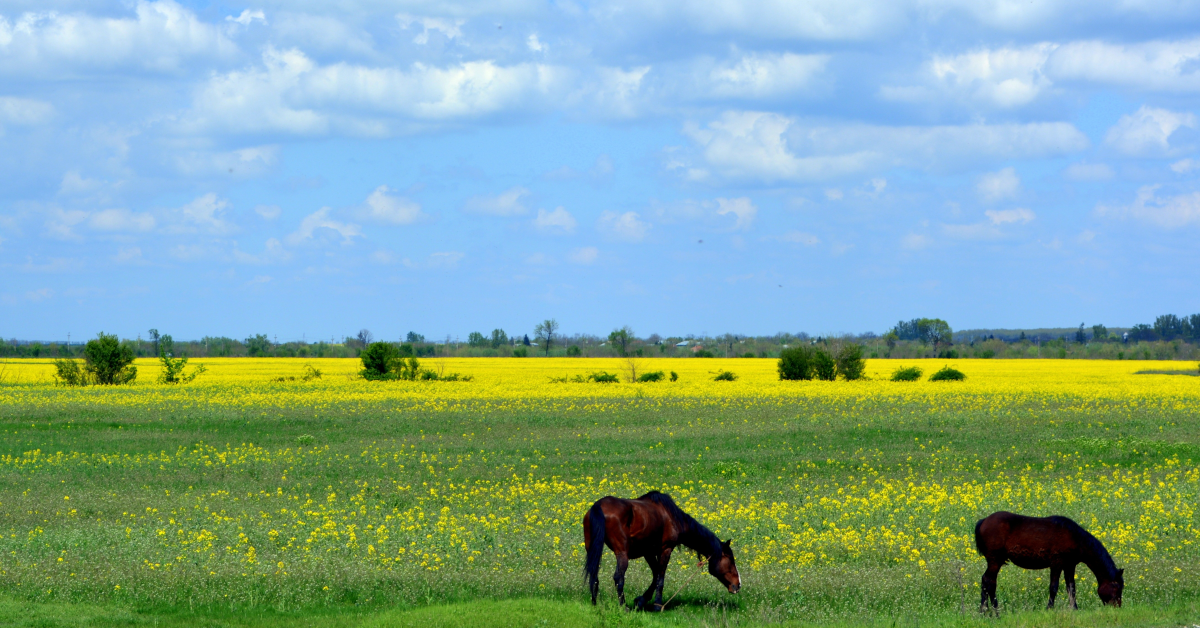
(242, 500)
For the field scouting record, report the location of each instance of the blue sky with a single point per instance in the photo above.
(307, 169)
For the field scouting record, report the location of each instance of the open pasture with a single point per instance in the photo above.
(344, 501)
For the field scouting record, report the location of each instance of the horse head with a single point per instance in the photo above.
(724, 569)
(1110, 591)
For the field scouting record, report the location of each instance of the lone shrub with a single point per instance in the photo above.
(68, 373)
(604, 377)
(380, 361)
(850, 362)
(310, 373)
(947, 374)
(824, 365)
(674, 376)
(704, 353)
(108, 362)
(573, 351)
(656, 376)
(521, 352)
(725, 376)
(906, 374)
(796, 363)
(173, 370)
(748, 354)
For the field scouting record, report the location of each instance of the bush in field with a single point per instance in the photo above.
(906, 374)
(796, 363)
(725, 376)
(674, 376)
(748, 354)
(850, 362)
(604, 377)
(656, 376)
(824, 365)
(704, 353)
(173, 370)
(105, 361)
(947, 374)
(381, 361)
(521, 352)
(573, 351)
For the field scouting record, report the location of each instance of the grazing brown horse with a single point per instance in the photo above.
(651, 526)
(1041, 542)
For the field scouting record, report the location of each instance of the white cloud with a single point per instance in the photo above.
(319, 226)
(273, 252)
(447, 259)
(534, 44)
(507, 203)
(1019, 215)
(268, 212)
(1169, 212)
(742, 208)
(205, 213)
(1003, 77)
(584, 255)
(382, 206)
(131, 255)
(1184, 166)
(1088, 172)
(161, 36)
(1154, 65)
(24, 111)
(61, 223)
(74, 184)
(450, 29)
(823, 20)
(915, 241)
(254, 161)
(753, 76)
(120, 220)
(834, 194)
(557, 221)
(770, 147)
(247, 16)
(627, 226)
(996, 186)
(1147, 131)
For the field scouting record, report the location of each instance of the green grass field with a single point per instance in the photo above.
(847, 508)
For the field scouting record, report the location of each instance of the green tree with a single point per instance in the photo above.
(108, 361)
(796, 363)
(850, 362)
(414, 338)
(1080, 336)
(381, 361)
(1099, 333)
(824, 365)
(258, 345)
(545, 331)
(620, 339)
(499, 338)
(476, 339)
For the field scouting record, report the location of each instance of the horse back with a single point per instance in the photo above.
(1029, 542)
(633, 523)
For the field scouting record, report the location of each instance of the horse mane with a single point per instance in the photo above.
(706, 541)
(1088, 540)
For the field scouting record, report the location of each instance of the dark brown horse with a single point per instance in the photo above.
(1041, 542)
(651, 526)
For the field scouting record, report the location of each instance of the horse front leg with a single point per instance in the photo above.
(655, 569)
(619, 576)
(1070, 578)
(987, 586)
(663, 560)
(1054, 573)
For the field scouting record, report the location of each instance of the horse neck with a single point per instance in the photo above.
(701, 540)
(1097, 558)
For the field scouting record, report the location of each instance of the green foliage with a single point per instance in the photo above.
(620, 339)
(476, 339)
(704, 353)
(413, 338)
(987, 354)
(674, 376)
(573, 351)
(68, 373)
(310, 373)
(498, 338)
(604, 377)
(947, 374)
(108, 362)
(907, 374)
(381, 361)
(796, 363)
(824, 365)
(258, 346)
(933, 331)
(545, 331)
(949, 354)
(656, 376)
(748, 354)
(850, 362)
(521, 352)
(172, 372)
(725, 376)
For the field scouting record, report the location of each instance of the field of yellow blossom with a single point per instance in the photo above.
(252, 490)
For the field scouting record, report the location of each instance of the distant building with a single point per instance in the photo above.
(682, 343)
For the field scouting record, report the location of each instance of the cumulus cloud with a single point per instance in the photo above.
(1088, 172)
(557, 221)
(1168, 212)
(318, 226)
(799, 237)
(765, 75)
(507, 203)
(996, 186)
(247, 17)
(161, 37)
(1002, 78)
(385, 207)
(741, 208)
(628, 226)
(1147, 131)
(770, 147)
(206, 214)
(449, 29)
(120, 220)
(268, 212)
(1019, 215)
(24, 111)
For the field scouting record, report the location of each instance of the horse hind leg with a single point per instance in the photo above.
(1054, 573)
(987, 587)
(640, 601)
(619, 576)
(1070, 578)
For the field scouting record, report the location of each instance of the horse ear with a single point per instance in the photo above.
(1120, 573)
(726, 543)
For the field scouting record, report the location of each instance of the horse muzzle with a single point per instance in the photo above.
(734, 588)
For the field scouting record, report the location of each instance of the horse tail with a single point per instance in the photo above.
(979, 538)
(595, 551)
